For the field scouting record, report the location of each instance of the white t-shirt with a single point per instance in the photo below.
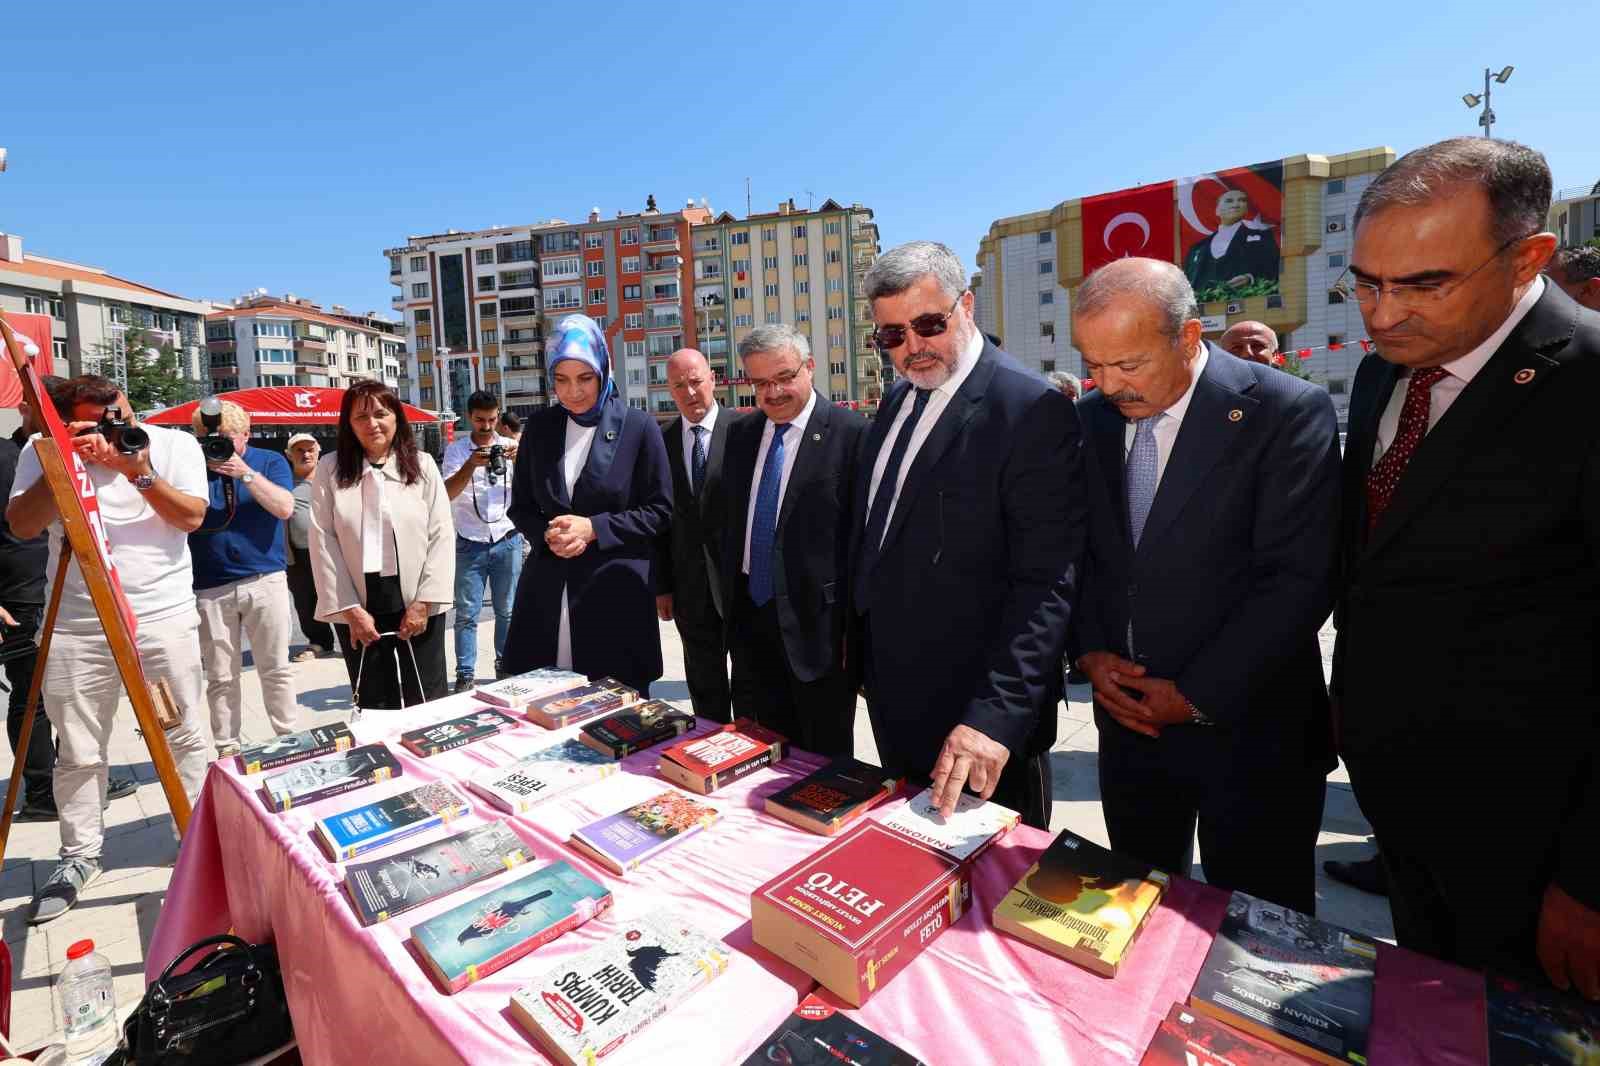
(480, 508)
(151, 556)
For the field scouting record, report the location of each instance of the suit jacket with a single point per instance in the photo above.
(810, 573)
(689, 553)
(1234, 572)
(424, 537)
(972, 587)
(1252, 251)
(625, 490)
(1469, 619)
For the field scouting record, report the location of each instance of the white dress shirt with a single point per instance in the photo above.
(791, 448)
(1221, 239)
(709, 424)
(1458, 374)
(574, 456)
(1169, 421)
(378, 554)
(938, 400)
(479, 509)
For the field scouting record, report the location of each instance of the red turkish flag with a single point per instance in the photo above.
(1133, 222)
(36, 328)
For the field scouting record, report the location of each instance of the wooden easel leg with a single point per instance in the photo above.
(34, 686)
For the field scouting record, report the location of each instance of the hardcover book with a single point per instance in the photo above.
(970, 829)
(1293, 981)
(330, 775)
(622, 841)
(853, 914)
(542, 774)
(705, 763)
(515, 693)
(457, 732)
(382, 888)
(587, 1007)
(1082, 902)
(499, 927)
(833, 797)
(644, 725)
(1189, 1039)
(295, 747)
(360, 829)
(1530, 1025)
(571, 706)
(819, 1034)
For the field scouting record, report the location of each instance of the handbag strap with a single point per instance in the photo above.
(158, 990)
(355, 695)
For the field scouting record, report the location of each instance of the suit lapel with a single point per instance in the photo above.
(553, 445)
(812, 444)
(1107, 428)
(714, 450)
(607, 439)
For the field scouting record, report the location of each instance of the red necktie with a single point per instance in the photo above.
(1385, 473)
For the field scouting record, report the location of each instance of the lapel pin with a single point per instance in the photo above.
(1524, 376)
(1235, 414)
(611, 434)
(816, 436)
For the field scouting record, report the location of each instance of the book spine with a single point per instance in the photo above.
(511, 954)
(733, 773)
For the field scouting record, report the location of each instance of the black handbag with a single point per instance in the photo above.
(228, 1009)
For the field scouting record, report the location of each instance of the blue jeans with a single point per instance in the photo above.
(477, 565)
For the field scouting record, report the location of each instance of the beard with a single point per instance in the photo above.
(943, 367)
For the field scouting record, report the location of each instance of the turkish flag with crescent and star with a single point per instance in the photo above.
(1133, 222)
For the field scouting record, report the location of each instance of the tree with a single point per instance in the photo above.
(155, 377)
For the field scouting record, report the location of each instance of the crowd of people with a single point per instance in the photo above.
(1177, 535)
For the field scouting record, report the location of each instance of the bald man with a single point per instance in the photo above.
(688, 555)
(1254, 342)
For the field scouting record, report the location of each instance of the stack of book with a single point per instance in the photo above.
(833, 797)
(374, 825)
(620, 842)
(295, 747)
(542, 774)
(707, 762)
(330, 775)
(644, 725)
(382, 888)
(819, 1034)
(457, 732)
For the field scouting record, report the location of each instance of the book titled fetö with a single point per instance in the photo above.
(542, 774)
(833, 797)
(580, 704)
(453, 733)
(590, 1005)
(709, 761)
(382, 822)
(516, 692)
(383, 888)
(330, 775)
(488, 933)
(1187, 1038)
(853, 914)
(644, 725)
(1082, 902)
(620, 842)
(972, 827)
(818, 1033)
(295, 747)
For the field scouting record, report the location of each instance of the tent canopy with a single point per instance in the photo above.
(280, 406)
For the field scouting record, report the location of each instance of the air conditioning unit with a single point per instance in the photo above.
(1235, 307)
(1335, 226)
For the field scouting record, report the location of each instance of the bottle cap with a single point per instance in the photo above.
(80, 949)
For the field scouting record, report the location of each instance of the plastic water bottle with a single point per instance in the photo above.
(88, 1005)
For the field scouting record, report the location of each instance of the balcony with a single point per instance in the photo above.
(658, 239)
(310, 344)
(708, 248)
(664, 292)
(663, 322)
(666, 264)
(865, 371)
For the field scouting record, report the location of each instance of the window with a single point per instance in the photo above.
(489, 336)
(801, 259)
(1047, 366)
(514, 252)
(740, 266)
(802, 315)
(1336, 261)
(769, 262)
(633, 349)
(741, 237)
(771, 289)
(424, 343)
(1044, 237)
(802, 287)
(419, 263)
(800, 232)
(1335, 187)
(594, 240)
(1335, 338)
(597, 296)
(1047, 267)
(1335, 386)
(425, 394)
(628, 236)
(743, 320)
(630, 265)
(561, 242)
(595, 268)
(1047, 297)
(520, 305)
(741, 292)
(835, 256)
(602, 321)
(633, 320)
(1047, 330)
(419, 290)
(636, 377)
(1335, 296)
(835, 284)
(483, 256)
(273, 329)
(35, 305)
(486, 283)
(58, 348)
(217, 358)
(835, 313)
(769, 233)
(422, 316)
(839, 396)
(560, 268)
(630, 292)
(833, 227)
(773, 318)
(836, 368)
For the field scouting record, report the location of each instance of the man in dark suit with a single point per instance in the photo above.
(787, 476)
(1214, 502)
(1465, 674)
(969, 526)
(688, 558)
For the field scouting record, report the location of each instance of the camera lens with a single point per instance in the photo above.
(132, 439)
(216, 448)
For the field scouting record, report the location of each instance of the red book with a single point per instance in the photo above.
(1187, 1038)
(853, 914)
(707, 762)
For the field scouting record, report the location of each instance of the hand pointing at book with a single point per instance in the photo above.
(968, 759)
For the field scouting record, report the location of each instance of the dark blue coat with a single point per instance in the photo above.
(625, 489)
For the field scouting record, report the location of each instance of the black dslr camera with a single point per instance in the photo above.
(497, 462)
(214, 446)
(121, 434)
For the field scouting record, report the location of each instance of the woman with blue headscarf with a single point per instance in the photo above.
(591, 490)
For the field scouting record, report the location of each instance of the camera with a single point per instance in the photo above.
(497, 461)
(214, 446)
(121, 434)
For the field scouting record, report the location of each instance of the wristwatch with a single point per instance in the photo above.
(1196, 715)
(145, 481)
(248, 477)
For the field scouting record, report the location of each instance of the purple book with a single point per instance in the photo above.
(622, 841)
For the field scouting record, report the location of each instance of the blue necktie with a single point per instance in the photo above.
(764, 527)
(1141, 475)
(698, 460)
(878, 517)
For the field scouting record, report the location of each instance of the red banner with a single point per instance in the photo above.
(35, 328)
(1133, 222)
(280, 405)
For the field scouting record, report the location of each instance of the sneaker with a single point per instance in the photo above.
(40, 811)
(60, 894)
(227, 751)
(464, 684)
(117, 787)
(304, 655)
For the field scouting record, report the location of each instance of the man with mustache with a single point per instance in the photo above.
(1213, 504)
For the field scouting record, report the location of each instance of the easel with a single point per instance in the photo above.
(99, 578)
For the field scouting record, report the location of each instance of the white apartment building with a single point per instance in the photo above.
(260, 340)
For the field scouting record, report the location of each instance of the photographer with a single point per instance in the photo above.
(151, 489)
(239, 581)
(477, 478)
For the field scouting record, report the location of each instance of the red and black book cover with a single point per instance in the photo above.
(707, 762)
(834, 796)
(1187, 1038)
(820, 1034)
(641, 726)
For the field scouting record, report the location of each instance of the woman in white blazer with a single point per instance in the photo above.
(383, 551)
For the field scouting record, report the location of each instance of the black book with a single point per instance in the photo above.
(295, 747)
(456, 732)
(641, 726)
(385, 887)
(1531, 1026)
(833, 797)
(818, 1034)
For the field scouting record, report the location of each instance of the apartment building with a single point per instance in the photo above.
(259, 340)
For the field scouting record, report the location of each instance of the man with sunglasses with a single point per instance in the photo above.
(969, 524)
(1465, 676)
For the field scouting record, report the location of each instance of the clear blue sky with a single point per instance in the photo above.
(212, 148)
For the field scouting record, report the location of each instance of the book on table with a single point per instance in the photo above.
(707, 762)
(853, 914)
(588, 1006)
(454, 733)
(490, 932)
(644, 725)
(820, 1034)
(1291, 980)
(516, 692)
(383, 888)
(295, 747)
(596, 699)
(620, 842)
(972, 827)
(382, 822)
(1529, 1024)
(833, 797)
(1082, 902)
(330, 775)
(544, 773)
(1188, 1038)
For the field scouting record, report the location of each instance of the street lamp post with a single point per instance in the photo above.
(1486, 120)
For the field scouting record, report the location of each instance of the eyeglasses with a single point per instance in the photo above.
(885, 338)
(782, 381)
(1412, 294)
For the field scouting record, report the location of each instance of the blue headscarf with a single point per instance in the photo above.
(578, 337)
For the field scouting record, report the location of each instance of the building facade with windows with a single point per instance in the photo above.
(265, 341)
(1029, 266)
(1575, 215)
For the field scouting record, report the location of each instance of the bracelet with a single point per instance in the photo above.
(1196, 716)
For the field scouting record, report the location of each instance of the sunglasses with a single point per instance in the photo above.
(886, 338)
